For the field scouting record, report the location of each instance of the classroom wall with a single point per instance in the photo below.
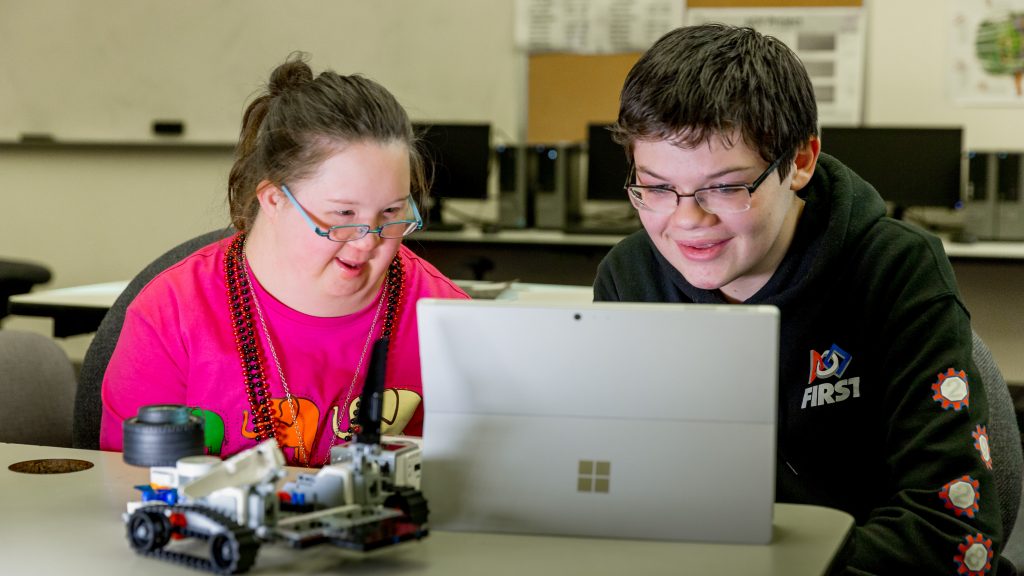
(106, 69)
(101, 213)
(906, 78)
(80, 209)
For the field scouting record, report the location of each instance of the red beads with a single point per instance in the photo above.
(253, 360)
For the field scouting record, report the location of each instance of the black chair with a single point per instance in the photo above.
(18, 277)
(88, 404)
(1003, 434)
(1005, 445)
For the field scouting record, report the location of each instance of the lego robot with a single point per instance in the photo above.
(367, 498)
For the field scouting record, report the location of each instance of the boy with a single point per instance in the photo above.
(887, 420)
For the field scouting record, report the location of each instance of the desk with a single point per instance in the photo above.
(71, 523)
(76, 310)
(554, 257)
(984, 250)
(80, 309)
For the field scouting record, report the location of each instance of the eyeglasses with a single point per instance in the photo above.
(729, 199)
(350, 232)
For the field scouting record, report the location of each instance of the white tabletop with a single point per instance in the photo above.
(103, 295)
(87, 296)
(985, 250)
(71, 523)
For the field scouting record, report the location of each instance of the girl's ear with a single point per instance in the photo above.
(270, 197)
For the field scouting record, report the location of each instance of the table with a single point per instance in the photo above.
(75, 310)
(71, 523)
(80, 309)
(984, 250)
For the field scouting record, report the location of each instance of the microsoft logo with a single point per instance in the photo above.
(594, 476)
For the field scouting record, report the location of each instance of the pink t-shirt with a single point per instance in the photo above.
(177, 347)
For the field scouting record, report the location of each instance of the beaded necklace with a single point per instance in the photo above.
(241, 299)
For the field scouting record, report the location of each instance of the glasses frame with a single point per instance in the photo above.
(363, 228)
(696, 194)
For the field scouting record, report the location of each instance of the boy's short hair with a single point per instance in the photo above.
(697, 82)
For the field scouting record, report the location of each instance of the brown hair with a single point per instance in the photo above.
(702, 81)
(299, 120)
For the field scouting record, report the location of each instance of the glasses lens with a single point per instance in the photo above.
(348, 233)
(397, 229)
(654, 199)
(727, 200)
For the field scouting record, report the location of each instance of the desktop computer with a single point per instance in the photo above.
(552, 177)
(994, 208)
(1010, 211)
(537, 185)
(980, 204)
(515, 203)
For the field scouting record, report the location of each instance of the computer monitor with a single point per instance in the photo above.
(458, 157)
(605, 208)
(908, 166)
(607, 166)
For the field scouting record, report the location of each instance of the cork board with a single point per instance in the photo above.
(568, 91)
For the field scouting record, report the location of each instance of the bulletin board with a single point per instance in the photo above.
(568, 91)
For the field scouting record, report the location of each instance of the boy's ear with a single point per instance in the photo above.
(805, 161)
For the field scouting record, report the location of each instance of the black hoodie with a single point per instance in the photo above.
(880, 404)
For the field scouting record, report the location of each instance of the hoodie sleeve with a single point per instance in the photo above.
(942, 511)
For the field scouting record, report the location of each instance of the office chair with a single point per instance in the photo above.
(88, 404)
(37, 381)
(18, 277)
(1005, 444)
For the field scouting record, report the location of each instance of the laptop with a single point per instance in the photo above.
(619, 420)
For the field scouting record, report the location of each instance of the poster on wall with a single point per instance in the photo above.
(829, 41)
(987, 52)
(594, 26)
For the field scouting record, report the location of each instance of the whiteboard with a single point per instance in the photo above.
(105, 70)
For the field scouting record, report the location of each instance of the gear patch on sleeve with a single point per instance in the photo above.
(951, 390)
(982, 446)
(975, 556)
(961, 496)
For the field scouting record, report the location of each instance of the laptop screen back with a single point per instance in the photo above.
(652, 421)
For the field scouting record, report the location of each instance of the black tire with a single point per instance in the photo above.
(224, 552)
(148, 530)
(411, 503)
(161, 434)
(233, 552)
